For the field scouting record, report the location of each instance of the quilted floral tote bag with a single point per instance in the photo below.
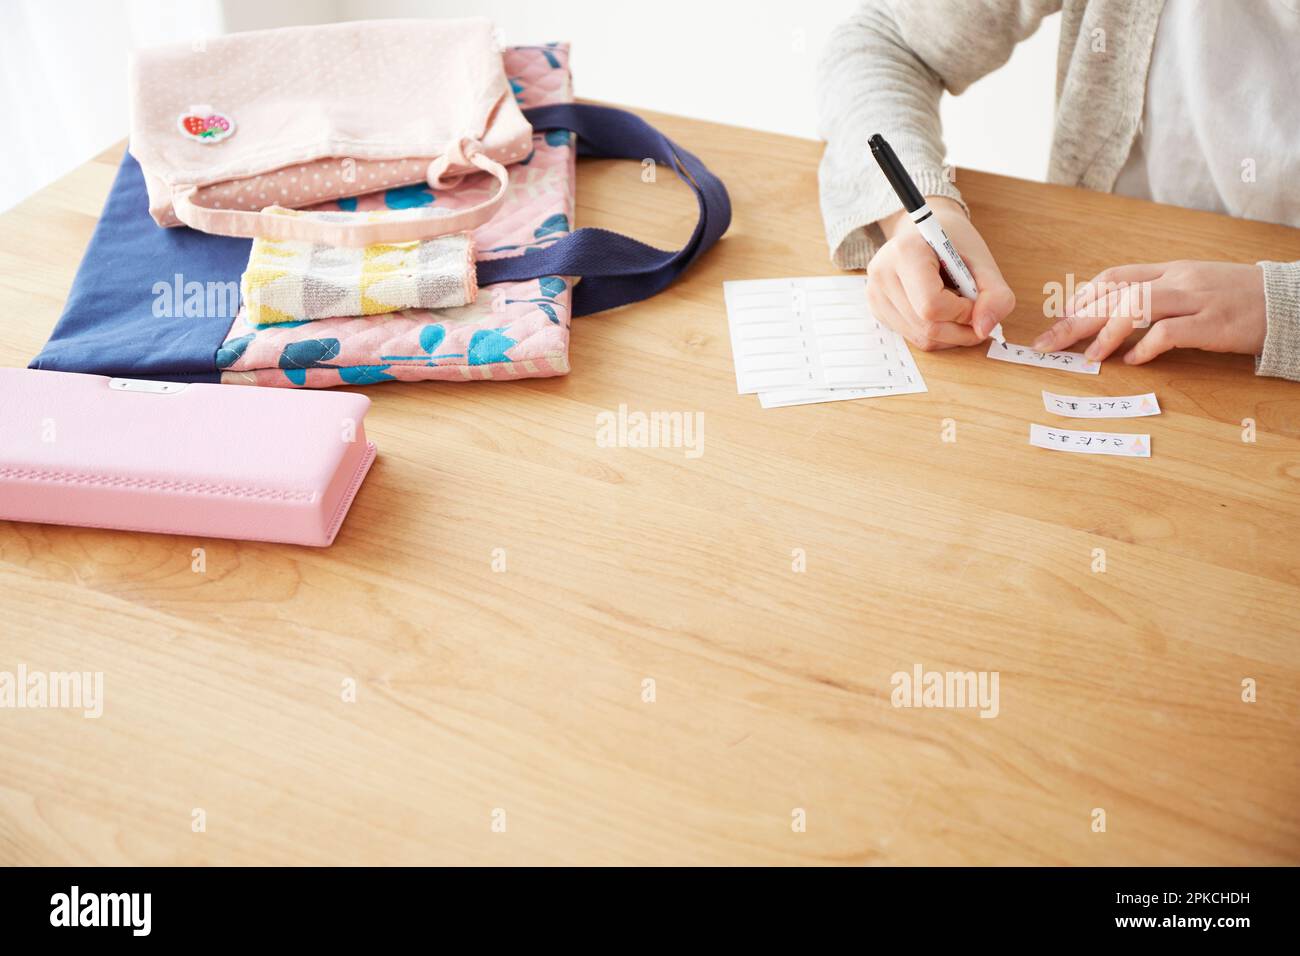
(164, 304)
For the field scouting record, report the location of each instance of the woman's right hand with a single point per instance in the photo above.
(906, 291)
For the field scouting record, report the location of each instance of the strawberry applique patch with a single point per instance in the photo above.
(204, 124)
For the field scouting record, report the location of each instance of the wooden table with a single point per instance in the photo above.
(519, 696)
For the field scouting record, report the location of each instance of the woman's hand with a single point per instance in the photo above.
(905, 288)
(1217, 306)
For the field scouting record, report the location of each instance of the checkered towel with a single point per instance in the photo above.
(300, 281)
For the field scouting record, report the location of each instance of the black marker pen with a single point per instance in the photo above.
(928, 224)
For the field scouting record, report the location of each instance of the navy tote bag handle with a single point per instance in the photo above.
(616, 269)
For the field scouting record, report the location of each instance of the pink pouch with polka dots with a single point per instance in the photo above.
(226, 127)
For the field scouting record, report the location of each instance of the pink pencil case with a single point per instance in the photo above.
(221, 461)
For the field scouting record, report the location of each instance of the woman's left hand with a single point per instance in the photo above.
(1217, 306)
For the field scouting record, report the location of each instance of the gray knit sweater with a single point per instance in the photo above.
(886, 68)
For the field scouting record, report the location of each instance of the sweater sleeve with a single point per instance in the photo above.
(884, 71)
(1281, 355)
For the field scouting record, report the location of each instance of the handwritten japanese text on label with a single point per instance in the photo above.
(1090, 443)
(1089, 406)
(1024, 355)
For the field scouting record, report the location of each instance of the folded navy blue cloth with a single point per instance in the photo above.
(147, 302)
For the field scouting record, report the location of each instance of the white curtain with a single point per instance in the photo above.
(64, 97)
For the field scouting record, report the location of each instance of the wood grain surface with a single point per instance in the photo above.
(502, 716)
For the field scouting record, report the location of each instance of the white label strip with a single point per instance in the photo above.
(1087, 406)
(1024, 355)
(1090, 443)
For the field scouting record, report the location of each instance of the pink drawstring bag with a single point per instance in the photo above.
(294, 117)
